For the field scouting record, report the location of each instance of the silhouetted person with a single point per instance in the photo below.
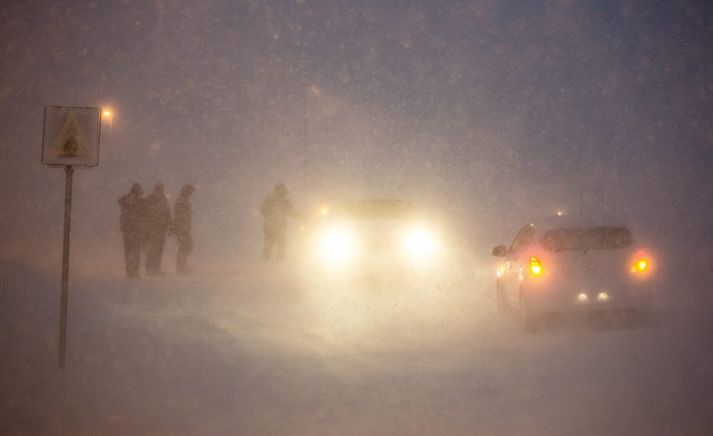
(182, 217)
(275, 210)
(131, 223)
(158, 221)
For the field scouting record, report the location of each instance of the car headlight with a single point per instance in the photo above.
(338, 246)
(420, 243)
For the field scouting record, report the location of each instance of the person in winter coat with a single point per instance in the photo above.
(158, 221)
(275, 210)
(182, 221)
(132, 226)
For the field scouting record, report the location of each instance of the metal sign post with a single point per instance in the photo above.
(69, 172)
(70, 137)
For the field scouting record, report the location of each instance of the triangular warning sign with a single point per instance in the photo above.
(70, 136)
(70, 142)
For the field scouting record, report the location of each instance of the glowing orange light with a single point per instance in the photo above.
(640, 266)
(560, 213)
(324, 211)
(535, 266)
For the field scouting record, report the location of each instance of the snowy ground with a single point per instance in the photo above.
(261, 349)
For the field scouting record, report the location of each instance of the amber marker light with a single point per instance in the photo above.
(641, 265)
(535, 266)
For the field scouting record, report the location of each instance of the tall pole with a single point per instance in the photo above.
(69, 171)
(305, 145)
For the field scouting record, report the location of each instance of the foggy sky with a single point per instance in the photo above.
(498, 111)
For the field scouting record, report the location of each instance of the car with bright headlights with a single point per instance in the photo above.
(562, 265)
(375, 235)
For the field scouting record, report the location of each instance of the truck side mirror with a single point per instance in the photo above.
(499, 251)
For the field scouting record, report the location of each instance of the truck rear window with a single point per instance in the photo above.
(591, 238)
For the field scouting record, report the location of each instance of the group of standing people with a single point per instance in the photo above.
(146, 221)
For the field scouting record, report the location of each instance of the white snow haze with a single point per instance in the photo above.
(483, 115)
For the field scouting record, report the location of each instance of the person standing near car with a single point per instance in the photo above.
(132, 226)
(182, 222)
(158, 221)
(275, 210)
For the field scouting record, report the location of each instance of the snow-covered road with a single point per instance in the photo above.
(261, 350)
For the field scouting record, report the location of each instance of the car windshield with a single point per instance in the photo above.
(591, 238)
(374, 209)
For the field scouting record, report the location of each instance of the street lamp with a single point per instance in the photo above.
(108, 115)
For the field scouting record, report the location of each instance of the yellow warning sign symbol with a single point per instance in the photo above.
(70, 140)
(70, 136)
